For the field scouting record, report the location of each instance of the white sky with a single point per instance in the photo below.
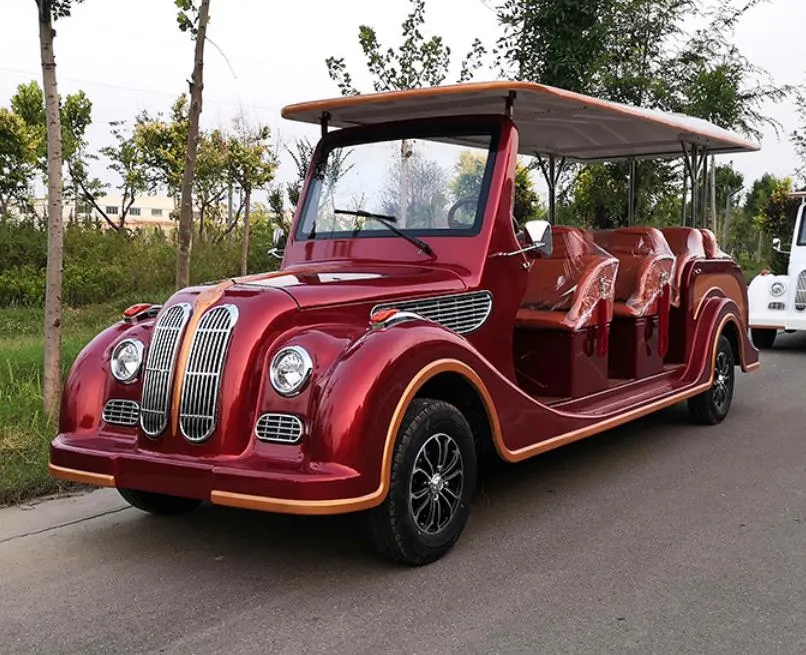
(129, 55)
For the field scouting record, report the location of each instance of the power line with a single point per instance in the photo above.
(120, 87)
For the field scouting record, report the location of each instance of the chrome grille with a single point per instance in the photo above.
(462, 312)
(121, 412)
(201, 382)
(800, 292)
(159, 370)
(283, 428)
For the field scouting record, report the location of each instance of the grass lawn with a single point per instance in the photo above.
(25, 433)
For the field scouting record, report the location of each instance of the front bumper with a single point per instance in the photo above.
(252, 481)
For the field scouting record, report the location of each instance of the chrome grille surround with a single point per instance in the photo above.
(159, 369)
(121, 412)
(800, 292)
(279, 428)
(201, 381)
(461, 312)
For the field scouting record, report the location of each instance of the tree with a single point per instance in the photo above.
(252, 165)
(163, 142)
(416, 63)
(17, 161)
(193, 19)
(798, 136)
(50, 11)
(126, 158)
(557, 42)
(302, 154)
(426, 197)
(211, 181)
(640, 52)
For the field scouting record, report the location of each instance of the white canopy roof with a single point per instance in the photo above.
(550, 121)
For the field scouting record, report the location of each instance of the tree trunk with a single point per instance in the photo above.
(52, 382)
(245, 242)
(186, 206)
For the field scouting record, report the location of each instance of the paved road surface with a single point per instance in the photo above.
(659, 537)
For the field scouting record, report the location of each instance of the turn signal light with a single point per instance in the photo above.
(135, 309)
(382, 315)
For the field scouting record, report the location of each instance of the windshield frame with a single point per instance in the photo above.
(413, 129)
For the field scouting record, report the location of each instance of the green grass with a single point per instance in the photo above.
(25, 432)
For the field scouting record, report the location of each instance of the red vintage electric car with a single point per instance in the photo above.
(413, 327)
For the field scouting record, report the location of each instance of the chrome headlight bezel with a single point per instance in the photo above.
(139, 349)
(777, 289)
(305, 373)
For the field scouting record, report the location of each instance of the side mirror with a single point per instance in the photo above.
(776, 246)
(540, 235)
(279, 239)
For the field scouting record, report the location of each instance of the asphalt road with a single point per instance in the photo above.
(659, 537)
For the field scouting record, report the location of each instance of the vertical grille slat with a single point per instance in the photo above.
(463, 313)
(198, 406)
(159, 369)
(800, 292)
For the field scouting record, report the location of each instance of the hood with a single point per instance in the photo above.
(331, 283)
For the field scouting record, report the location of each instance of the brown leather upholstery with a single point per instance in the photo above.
(687, 244)
(564, 288)
(712, 249)
(646, 264)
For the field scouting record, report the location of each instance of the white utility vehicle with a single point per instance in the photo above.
(778, 302)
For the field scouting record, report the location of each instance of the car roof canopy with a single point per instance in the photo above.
(551, 121)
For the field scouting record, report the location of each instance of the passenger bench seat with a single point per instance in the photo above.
(646, 264)
(564, 288)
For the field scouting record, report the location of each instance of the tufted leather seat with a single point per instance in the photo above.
(687, 244)
(564, 288)
(646, 263)
(712, 249)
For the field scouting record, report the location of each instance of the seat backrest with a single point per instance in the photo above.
(646, 263)
(687, 244)
(712, 249)
(552, 278)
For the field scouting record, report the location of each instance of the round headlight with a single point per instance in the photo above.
(127, 357)
(777, 288)
(290, 369)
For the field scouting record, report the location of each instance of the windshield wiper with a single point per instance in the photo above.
(388, 221)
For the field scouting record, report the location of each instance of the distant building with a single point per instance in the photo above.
(146, 212)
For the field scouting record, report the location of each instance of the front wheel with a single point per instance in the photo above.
(158, 503)
(712, 406)
(432, 481)
(763, 338)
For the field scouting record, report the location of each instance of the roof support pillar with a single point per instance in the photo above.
(631, 199)
(323, 121)
(695, 159)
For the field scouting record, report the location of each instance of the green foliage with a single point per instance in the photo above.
(249, 156)
(104, 264)
(17, 160)
(302, 154)
(163, 142)
(557, 42)
(416, 63)
(56, 8)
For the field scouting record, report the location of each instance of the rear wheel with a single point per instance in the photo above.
(158, 503)
(712, 406)
(763, 338)
(433, 478)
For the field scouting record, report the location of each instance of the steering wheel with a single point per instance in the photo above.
(467, 200)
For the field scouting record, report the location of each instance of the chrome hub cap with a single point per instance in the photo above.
(435, 489)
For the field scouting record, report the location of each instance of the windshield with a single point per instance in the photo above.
(417, 187)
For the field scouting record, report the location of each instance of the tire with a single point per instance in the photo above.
(763, 338)
(424, 513)
(712, 406)
(158, 503)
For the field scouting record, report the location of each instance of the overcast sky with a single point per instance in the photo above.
(128, 55)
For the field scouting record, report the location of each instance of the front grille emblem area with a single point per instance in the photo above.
(201, 384)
